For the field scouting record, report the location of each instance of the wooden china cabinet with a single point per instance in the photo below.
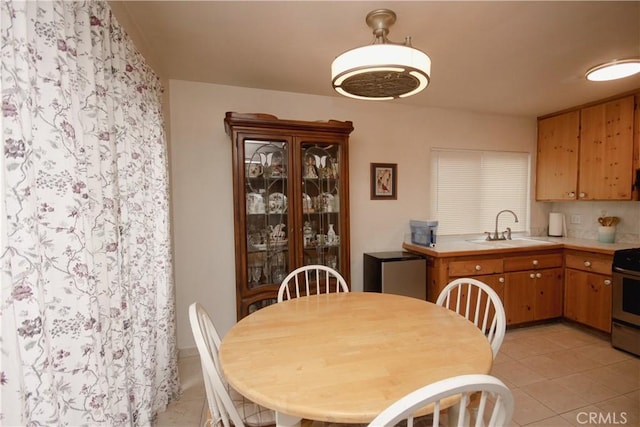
(291, 201)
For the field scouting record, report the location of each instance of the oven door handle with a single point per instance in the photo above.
(625, 271)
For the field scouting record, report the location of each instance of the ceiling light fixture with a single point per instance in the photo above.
(383, 70)
(618, 69)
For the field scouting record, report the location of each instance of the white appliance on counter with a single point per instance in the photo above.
(557, 225)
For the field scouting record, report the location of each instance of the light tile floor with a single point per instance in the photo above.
(560, 375)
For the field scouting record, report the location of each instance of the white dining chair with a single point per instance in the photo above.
(478, 303)
(311, 280)
(495, 407)
(226, 406)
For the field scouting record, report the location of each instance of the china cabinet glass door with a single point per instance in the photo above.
(267, 215)
(321, 204)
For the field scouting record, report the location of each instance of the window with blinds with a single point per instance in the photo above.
(470, 187)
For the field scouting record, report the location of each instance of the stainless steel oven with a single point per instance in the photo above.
(625, 309)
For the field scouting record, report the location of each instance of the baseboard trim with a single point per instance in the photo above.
(187, 352)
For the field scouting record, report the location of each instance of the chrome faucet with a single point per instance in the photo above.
(502, 236)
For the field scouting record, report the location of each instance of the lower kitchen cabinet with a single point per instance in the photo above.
(533, 288)
(496, 282)
(548, 300)
(535, 284)
(587, 289)
(533, 295)
(530, 284)
(519, 298)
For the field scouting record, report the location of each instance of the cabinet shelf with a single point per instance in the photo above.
(321, 246)
(267, 213)
(320, 212)
(321, 179)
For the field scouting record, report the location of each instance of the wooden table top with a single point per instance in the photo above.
(344, 357)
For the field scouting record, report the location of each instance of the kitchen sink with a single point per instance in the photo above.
(516, 242)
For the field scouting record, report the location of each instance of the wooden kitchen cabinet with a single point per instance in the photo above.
(487, 270)
(494, 281)
(475, 267)
(587, 154)
(533, 295)
(606, 151)
(587, 288)
(440, 271)
(529, 284)
(519, 298)
(533, 287)
(291, 201)
(549, 294)
(557, 157)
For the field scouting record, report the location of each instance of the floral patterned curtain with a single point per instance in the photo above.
(87, 305)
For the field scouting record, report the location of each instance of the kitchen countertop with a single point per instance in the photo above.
(473, 245)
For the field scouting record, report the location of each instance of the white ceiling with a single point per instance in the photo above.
(520, 58)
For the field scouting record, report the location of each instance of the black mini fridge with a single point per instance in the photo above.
(401, 273)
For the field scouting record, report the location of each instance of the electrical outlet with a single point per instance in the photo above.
(575, 219)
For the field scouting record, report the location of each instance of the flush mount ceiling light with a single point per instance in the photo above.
(383, 70)
(613, 70)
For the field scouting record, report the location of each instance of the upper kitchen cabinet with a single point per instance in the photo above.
(291, 201)
(587, 154)
(557, 160)
(606, 151)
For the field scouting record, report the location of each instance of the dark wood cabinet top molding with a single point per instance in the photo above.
(269, 121)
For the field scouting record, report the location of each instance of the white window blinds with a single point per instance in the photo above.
(470, 187)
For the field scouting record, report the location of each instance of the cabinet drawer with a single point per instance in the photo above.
(528, 262)
(475, 267)
(589, 262)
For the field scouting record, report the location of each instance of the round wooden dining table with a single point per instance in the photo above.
(345, 357)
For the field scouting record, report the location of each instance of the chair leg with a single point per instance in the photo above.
(209, 421)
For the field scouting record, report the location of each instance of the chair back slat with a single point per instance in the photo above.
(467, 313)
(468, 387)
(315, 278)
(480, 304)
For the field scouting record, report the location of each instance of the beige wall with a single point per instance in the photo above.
(384, 132)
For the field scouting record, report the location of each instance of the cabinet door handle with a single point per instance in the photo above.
(478, 268)
(571, 194)
(532, 276)
(501, 280)
(538, 275)
(607, 282)
(587, 263)
(583, 195)
(535, 262)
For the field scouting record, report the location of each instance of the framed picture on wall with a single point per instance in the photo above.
(384, 181)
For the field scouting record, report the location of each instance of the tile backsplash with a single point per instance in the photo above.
(587, 213)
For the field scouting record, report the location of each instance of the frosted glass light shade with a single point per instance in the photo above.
(381, 72)
(614, 70)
